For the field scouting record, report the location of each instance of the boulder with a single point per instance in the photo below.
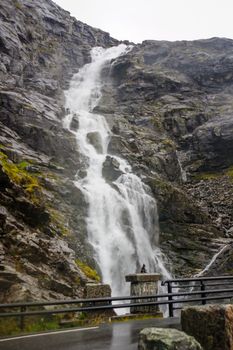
(97, 290)
(211, 325)
(74, 125)
(94, 139)
(166, 339)
(213, 142)
(111, 169)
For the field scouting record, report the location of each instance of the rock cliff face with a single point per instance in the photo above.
(42, 214)
(170, 108)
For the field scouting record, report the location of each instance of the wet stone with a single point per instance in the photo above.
(166, 339)
(94, 139)
(211, 325)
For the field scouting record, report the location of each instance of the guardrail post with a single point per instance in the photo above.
(170, 306)
(203, 295)
(22, 318)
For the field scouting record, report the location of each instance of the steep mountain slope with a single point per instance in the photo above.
(41, 210)
(169, 106)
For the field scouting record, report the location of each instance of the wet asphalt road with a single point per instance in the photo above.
(115, 336)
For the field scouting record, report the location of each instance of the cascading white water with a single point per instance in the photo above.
(212, 261)
(182, 171)
(122, 220)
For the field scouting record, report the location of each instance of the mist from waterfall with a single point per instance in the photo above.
(122, 221)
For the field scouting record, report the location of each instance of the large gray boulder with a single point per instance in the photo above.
(111, 169)
(166, 339)
(211, 325)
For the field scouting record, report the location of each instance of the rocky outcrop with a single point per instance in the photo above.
(210, 325)
(166, 339)
(42, 213)
(111, 169)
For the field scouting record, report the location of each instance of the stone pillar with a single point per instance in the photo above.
(143, 284)
(98, 290)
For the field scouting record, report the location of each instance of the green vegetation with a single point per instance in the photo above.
(162, 185)
(42, 324)
(18, 174)
(23, 165)
(48, 47)
(168, 143)
(207, 176)
(33, 324)
(88, 271)
(127, 318)
(229, 172)
(17, 4)
(157, 123)
(11, 326)
(214, 175)
(59, 221)
(32, 185)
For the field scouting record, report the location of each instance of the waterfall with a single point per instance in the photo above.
(182, 171)
(212, 261)
(122, 221)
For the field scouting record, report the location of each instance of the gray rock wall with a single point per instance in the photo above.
(42, 214)
(170, 111)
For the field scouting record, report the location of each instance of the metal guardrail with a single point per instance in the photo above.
(200, 284)
(98, 304)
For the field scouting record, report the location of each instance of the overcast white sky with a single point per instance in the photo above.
(138, 20)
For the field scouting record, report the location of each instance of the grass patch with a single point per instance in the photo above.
(23, 165)
(9, 326)
(58, 221)
(207, 176)
(88, 271)
(18, 174)
(34, 324)
(229, 172)
(214, 175)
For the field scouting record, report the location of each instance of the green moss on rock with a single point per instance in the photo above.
(58, 220)
(169, 144)
(214, 175)
(18, 174)
(229, 172)
(207, 176)
(18, 5)
(88, 271)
